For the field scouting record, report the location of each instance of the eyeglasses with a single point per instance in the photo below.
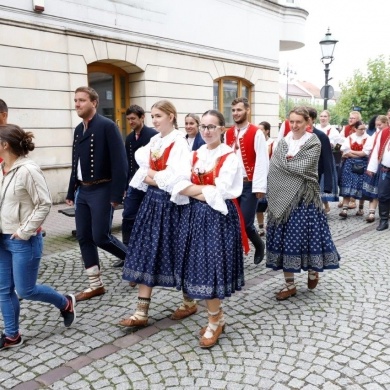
(210, 128)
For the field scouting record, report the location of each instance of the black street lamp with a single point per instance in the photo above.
(327, 47)
(287, 72)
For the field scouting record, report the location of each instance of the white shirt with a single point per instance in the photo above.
(334, 135)
(346, 146)
(373, 164)
(190, 142)
(178, 163)
(259, 180)
(294, 145)
(228, 184)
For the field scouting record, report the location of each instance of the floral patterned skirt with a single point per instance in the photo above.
(151, 255)
(352, 183)
(211, 251)
(334, 196)
(370, 185)
(303, 242)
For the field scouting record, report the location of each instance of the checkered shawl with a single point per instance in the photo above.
(291, 181)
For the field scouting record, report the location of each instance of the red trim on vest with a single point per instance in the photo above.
(208, 178)
(247, 147)
(161, 163)
(349, 130)
(355, 146)
(385, 138)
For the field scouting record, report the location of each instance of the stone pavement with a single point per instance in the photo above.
(334, 337)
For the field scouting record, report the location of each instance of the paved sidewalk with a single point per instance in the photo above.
(334, 337)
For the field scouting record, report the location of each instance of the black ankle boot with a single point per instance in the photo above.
(384, 217)
(258, 244)
(383, 225)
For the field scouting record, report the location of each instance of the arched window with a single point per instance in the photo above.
(226, 89)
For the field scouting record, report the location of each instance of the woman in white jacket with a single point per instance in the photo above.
(24, 204)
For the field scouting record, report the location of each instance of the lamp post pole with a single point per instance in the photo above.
(288, 71)
(327, 46)
(326, 95)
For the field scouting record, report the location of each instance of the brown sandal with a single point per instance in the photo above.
(370, 218)
(312, 282)
(360, 213)
(206, 342)
(133, 322)
(343, 214)
(289, 290)
(184, 312)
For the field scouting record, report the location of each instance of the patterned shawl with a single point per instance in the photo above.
(293, 180)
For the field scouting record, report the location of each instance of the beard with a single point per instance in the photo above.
(242, 119)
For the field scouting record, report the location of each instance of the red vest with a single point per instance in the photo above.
(247, 146)
(287, 128)
(161, 163)
(207, 178)
(355, 146)
(384, 139)
(348, 130)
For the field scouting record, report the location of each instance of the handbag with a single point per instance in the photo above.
(358, 168)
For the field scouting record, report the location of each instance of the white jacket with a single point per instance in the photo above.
(25, 199)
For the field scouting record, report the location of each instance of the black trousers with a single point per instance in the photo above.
(93, 223)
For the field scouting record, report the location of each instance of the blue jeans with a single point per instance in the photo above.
(93, 223)
(19, 266)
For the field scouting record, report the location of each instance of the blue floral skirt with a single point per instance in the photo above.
(352, 183)
(370, 185)
(151, 255)
(211, 249)
(303, 242)
(334, 196)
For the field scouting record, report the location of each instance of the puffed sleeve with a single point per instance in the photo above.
(142, 156)
(228, 185)
(176, 197)
(178, 168)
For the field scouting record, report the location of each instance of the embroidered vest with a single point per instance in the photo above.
(247, 142)
(348, 130)
(355, 146)
(384, 139)
(207, 178)
(160, 163)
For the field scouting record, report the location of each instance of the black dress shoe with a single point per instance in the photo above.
(383, 225)
(119, 263)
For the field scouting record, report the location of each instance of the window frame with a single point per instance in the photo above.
(240, 84)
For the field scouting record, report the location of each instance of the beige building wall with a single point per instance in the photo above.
(41, 66)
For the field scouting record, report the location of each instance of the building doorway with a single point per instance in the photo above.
(112, 85)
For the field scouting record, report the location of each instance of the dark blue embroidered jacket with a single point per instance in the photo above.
(102, 156)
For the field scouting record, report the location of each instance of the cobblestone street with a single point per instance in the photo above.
(334, 337)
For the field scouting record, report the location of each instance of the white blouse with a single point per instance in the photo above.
(178, 163)
(228, 184)
(346, 146)
(334, 135)
(294, 145)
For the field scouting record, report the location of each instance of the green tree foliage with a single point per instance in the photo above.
(369, 90)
